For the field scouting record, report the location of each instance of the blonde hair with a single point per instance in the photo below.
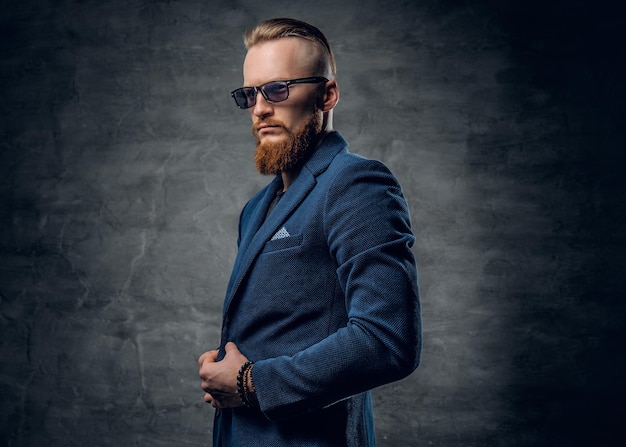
(283, 27)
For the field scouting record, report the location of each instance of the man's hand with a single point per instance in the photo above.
(219, 379)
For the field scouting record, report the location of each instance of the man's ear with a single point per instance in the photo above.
(331, 96)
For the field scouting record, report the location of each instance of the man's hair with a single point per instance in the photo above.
(283, 27)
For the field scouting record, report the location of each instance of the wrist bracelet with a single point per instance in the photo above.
(247, 377)
(242, 383)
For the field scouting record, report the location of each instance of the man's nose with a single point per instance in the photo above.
(261, 107)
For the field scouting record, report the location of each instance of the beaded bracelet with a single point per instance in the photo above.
(251, 381)
(242, 383)
(246, 391)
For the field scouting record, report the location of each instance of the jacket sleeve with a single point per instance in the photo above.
(368, 231)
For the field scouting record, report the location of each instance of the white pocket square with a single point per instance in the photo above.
(280, 234)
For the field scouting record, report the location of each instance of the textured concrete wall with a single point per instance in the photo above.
(124, 164)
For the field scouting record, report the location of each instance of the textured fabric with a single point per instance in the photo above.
(327, 312)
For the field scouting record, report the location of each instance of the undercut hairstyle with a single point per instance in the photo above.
(284, 27)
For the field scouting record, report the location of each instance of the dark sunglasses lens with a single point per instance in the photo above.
(245, 97)
(276, 91)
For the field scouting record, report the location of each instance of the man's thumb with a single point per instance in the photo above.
(230, 347)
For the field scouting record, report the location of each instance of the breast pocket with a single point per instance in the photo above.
(283, 244)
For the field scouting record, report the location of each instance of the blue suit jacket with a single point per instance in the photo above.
(324, 298)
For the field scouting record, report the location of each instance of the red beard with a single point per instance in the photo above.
(272, 158)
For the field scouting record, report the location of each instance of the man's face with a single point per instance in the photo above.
(285, 131)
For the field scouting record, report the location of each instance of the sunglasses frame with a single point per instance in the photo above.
(260, 88)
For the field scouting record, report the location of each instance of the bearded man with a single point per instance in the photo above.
(322, 305)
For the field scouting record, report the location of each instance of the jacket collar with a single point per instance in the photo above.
(323, 155)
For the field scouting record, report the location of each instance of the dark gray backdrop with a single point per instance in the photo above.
(124, 164)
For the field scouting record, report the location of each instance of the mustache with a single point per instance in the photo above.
(266, 122)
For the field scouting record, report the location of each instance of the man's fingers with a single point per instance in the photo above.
(209, 355)
(213, 401)
(209, 399)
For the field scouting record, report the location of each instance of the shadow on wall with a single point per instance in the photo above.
(556, 150)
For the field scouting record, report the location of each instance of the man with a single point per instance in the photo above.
(322, 305)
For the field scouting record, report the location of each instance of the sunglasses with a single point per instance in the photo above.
(275, 91)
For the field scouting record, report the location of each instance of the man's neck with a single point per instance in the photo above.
(288, 178)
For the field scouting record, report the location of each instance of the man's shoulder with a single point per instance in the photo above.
(335, 154)
(347, 162)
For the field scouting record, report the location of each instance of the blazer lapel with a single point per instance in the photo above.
(261, 230)
(252, 243)
(259, 217)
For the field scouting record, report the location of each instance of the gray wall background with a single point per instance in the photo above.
(124, 164)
